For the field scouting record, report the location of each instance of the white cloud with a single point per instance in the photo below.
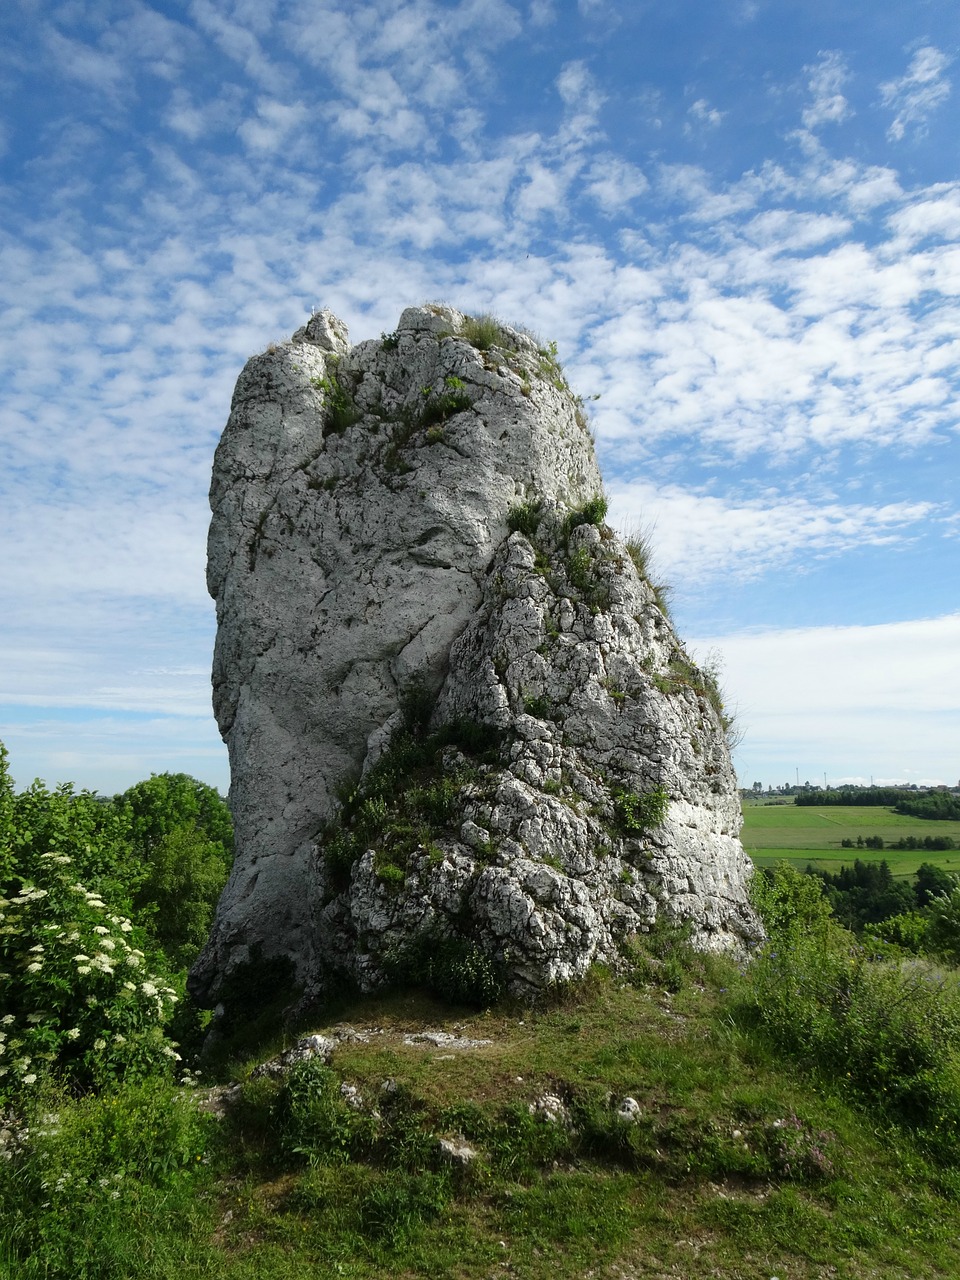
(615, 183)
(699, 538)
(918, 93)
(92, 67)
(825, 80)
(704, 114)
(880, 700)
(274, 121)
(238, 41)
(110, 752)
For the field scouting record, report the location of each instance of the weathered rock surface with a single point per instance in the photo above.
(544, 771)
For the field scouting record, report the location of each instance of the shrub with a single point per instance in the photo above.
(638, 814)
(943, 910)
(889, 1029)
(453, 967)
(76, 995)
(578, 568)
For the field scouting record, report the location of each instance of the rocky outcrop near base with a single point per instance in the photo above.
(466, 745)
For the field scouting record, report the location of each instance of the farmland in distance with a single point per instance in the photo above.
(801, 834)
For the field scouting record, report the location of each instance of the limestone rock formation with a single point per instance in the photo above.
(465, 741)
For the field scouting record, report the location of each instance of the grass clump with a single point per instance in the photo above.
(339, 407)
(593, 512)
(443, 405)
(482, 331)
(409, 797)
(525, 518)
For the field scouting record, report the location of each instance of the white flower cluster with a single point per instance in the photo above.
(97, 955)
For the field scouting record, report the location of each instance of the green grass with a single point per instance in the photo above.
(739, 1166)
(801, 834)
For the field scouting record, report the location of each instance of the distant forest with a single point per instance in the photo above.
(940, 805)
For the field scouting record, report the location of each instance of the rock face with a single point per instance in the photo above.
(465, 742)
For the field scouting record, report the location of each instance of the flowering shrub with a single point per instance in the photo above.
(75, 992)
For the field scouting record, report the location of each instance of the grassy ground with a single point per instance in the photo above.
(736, 1166)
(802, 834)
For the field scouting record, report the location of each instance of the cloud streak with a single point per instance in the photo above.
(918, 93)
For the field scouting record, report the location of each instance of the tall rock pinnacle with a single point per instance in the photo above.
(461, 728)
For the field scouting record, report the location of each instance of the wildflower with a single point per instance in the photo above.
(31, 1078)
(118, 1039)
(35, 967)
(148, 988)
(125, 926)
(34, 1017)
(73, 1033)
(129, 986)
(83, 968)
(81, 958)
(99, 1044)
(100, 928)
(133, 960)
(107, 944)
(39, 948)
(7, 1019)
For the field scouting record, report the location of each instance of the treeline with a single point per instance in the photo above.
(931, 843)
(937, 805)
(883, 797)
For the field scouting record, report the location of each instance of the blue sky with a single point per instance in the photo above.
(739, 221)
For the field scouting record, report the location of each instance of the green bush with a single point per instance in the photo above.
(341, 411)
(637, 814)
(453, 967)
(593, 512)
(887, 1028)
(943, 912)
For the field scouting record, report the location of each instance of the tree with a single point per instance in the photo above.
(930, 881)
(182, 834)
(943, 910)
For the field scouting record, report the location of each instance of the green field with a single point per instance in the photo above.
(802, 834)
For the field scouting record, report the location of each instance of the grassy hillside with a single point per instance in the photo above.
(805, 834)
(734, 1164)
